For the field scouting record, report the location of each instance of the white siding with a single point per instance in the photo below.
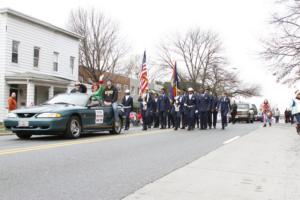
(3, 95)
(30, 35)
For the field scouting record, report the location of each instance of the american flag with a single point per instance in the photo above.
(143, 76)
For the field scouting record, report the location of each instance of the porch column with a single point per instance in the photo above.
(51, 92)
(30, 94)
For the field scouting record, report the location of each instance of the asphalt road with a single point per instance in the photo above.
(101, 166)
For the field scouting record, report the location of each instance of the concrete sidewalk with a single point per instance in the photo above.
(263, 165)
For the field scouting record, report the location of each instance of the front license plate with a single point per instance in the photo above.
(23, 123)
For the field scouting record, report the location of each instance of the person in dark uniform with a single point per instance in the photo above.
(190, 104)
(155, 113)
(127, 102)
(204, 102)
(176, 112)
(163, 108)
(224, 107)
(197, 114)
(214, 107)
(233, 112)
(146, 109)
(170, 117)
(210, 112)
(183, 110)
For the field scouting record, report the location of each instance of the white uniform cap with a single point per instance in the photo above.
(191, 89)
(127, 91)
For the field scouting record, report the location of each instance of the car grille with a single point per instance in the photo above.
(25, 115)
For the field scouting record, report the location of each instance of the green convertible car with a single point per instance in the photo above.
(69, 114)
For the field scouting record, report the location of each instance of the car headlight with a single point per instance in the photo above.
(11, 115)
(49, 115)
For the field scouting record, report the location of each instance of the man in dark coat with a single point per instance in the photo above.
(190, 104)
(127, 102)
(233, 112)
(155, 114)
(110, 97)
(183, 111)
(214, 110)
(163, 108)
(204, 102)
(224, 107)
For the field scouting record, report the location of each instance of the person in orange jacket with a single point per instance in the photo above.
(12, 102)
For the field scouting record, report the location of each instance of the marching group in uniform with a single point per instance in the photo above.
(188, 110)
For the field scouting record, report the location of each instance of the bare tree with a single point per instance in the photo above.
(197, 50)
(283, 49)
(131, 67)
(200, 52)
(100, 47)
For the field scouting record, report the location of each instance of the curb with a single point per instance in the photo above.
(4, 132)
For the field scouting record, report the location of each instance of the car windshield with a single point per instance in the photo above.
(78, 99)
(243, 106)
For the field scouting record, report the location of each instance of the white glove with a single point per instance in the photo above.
(101, 77)
(196, 111)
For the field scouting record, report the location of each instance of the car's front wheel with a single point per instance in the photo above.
(24, 136)
(73, 128)
(117, 129)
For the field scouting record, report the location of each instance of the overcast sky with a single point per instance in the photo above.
(144, 23)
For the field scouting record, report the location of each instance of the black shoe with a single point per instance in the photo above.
(214, 127)
(182, 127)
(265, 125)
(175, 128)
(144, 129)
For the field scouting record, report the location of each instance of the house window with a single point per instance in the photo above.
(72, 62)
(15, 51)
(36, 56)
(55, 61)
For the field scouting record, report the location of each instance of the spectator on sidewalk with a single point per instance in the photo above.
(267, 113)
(296, 110)
(277, 115)
(12, 102)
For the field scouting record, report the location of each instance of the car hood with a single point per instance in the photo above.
(47, 108)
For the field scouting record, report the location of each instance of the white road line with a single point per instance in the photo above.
(231, 140)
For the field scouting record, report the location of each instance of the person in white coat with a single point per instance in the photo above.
(296, 110)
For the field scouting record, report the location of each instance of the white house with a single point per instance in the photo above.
(37, 59)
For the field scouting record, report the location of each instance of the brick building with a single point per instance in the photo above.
(121, 82)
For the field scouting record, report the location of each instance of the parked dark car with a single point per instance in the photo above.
(69, 114)
(245, 112)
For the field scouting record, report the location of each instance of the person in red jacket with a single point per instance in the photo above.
(12, 102)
